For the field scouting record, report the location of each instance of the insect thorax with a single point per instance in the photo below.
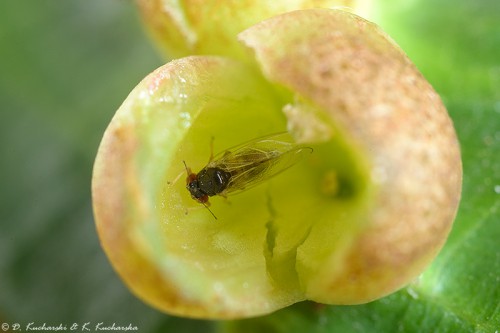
(213, 181)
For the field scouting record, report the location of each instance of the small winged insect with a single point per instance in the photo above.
(244, 166)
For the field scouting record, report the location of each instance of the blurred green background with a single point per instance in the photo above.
(66, 66)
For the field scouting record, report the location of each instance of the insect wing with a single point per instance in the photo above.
(255, 173)
(261, 142)
(258, 160)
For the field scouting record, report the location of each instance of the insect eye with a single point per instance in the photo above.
(192, 185)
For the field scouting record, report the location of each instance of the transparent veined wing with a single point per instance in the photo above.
(258, 160)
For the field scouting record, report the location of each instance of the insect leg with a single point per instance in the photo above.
(224, 196)
(188, 209)
(212, 139)
(172, 182)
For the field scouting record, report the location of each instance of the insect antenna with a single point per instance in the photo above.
(215, 217)
(188, 170)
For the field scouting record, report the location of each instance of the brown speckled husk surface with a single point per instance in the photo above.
(354, 72)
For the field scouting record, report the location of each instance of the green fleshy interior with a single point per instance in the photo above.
(267, 243)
